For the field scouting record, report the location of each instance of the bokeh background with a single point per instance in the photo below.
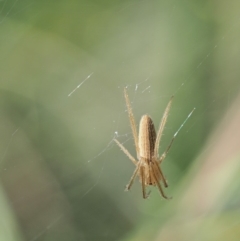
(61, 175)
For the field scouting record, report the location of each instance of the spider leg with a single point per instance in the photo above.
(157, 182)
(162, 176)
(129, 185)
(161, 127)
(174, 136)
(126, 152)
(166, 151)
(132, 121)
(142, 174)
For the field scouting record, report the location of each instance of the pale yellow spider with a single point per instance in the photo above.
(147, 144)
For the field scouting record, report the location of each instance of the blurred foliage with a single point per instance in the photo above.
(62, 177)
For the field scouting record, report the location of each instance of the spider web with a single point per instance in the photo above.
(62, 105)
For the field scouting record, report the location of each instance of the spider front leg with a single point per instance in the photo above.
(161, 174)
(155, 178)
(132, 178)
(142, 175)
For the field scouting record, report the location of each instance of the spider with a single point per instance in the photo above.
(147, 144)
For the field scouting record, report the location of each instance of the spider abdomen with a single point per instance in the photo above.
(147, 137)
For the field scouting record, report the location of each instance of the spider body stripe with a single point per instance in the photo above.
(146, 138)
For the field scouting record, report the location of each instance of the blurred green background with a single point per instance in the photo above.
(61, 175)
